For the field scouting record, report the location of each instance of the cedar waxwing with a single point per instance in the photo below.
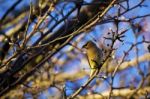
(95, 57)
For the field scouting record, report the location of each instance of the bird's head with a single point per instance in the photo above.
(88, 45)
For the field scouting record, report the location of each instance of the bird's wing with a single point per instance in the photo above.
(98, 57)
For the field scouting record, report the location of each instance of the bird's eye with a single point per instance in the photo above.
(84, 46)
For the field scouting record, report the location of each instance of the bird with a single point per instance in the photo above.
(94, 56)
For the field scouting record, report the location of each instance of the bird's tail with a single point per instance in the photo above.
(94, 72)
